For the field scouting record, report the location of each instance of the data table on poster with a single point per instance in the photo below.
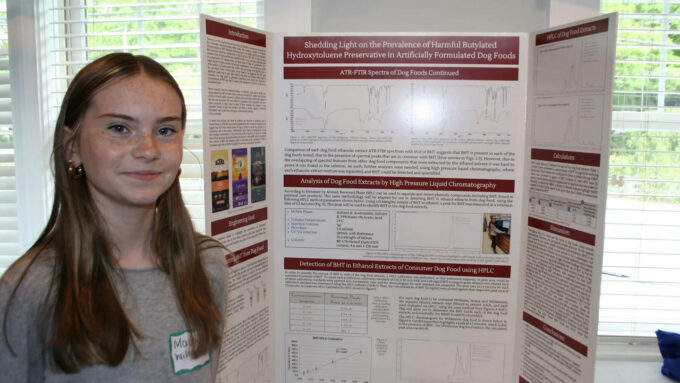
(329, 312)
(563, 210)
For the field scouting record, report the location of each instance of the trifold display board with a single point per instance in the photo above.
(408, 207)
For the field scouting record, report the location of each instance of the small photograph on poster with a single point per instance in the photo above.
(496, 238)
(257, 175)
(219, 177)
(239, 180)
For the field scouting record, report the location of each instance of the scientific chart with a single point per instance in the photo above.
(459, 231)
(327, 358)
(449, 361)
(254, 369)
(399, 107)
(572, 65)
(570, 89)
(577, 122)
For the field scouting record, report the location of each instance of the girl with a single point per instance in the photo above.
(118, 286)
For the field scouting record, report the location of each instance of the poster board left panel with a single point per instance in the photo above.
(237, 147)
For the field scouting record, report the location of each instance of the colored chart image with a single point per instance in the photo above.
(402, 107)
(239, 165)
(219, 179)
(438, 361)
(258, 176)
(327, 358)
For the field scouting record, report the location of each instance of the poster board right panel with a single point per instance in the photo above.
(569, 119)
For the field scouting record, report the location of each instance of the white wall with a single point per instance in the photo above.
(446, 15)
(429, 15)
(566, 11)
(289, 16)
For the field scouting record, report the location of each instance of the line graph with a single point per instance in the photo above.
(569, 121)
(437, 361)
(252, 370)
(454, 108)
(322, 358)
(571, 65)
(331, 107)
(430, 108)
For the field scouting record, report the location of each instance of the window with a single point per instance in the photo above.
(9, 235)
(166, 30)
(71, 33)
(641, 267)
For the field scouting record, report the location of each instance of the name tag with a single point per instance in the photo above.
(180, 354)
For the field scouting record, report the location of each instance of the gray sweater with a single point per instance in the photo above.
(149, 302)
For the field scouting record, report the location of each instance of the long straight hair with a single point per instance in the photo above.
(90, 325)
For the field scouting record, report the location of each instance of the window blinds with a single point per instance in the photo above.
(9, 234)
(641, 268)
(167, 31)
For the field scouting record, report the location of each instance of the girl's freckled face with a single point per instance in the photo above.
(130, 142)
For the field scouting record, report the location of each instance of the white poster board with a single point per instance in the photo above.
(391, 198)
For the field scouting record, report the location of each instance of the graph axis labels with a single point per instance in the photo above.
(321, 358)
